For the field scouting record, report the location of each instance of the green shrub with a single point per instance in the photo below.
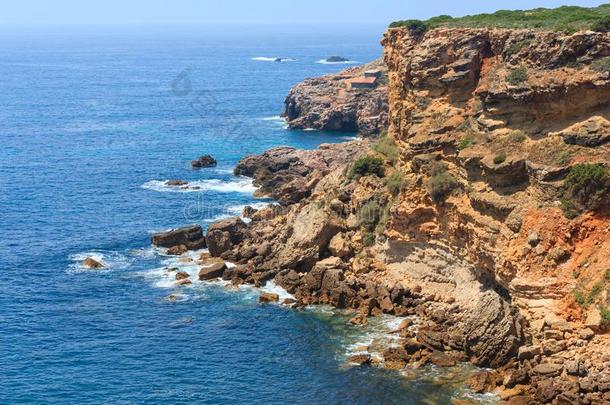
(519, 45)
(395, 183)
(500, 158)
(585, 187)
(386, 145)
(595, 291)
(517, 136)
(607, 275)
(441, 185)
(369, 215)
(605, 314)
(369, 239)
(416, 27)
(579, 297)
(517, 76)
(366, 166)
(603, 25)
(561, 18)
(464, 143)
(601, 65)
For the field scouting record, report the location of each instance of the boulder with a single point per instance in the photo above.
(212, 269)
(529, 352)
(183, 282)
(190, 236)
(91, 263)
(224, 234)
(288, 280)
(359, 320)
(494, 332)
(268, 297)
(204, 161)
(339, 246)
(181, 275)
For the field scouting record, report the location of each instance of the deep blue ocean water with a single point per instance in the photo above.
(91, 123)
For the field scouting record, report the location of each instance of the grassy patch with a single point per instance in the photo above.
(369, 215)
(517, 136)
(519, 45)
(368, 239)
(367, 165)
(500, 158)
(585, 188)
(605, 314)
(395, 183)
(517, 76)
(601, 65)
(565, 18)
(464, 143)
(386, 146)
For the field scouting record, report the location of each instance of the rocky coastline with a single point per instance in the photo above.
(453, 216)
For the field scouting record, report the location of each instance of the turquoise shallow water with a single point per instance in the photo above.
(90, 125)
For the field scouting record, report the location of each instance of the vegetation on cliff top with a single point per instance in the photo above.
(565, 18)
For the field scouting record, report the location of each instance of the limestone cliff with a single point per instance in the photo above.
(328, 103)
(461, 214)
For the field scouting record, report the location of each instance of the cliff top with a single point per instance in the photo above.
(565, 18)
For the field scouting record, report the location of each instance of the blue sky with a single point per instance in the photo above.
(259, 12)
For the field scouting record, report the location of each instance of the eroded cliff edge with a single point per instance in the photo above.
(456, 214)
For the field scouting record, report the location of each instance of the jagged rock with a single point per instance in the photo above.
(289, 175)
(189, 236)
(181, 275)
(204, 161)
(91, 263)
(529, 352)
(546, 391)
(360, 359)
(268, 297)
(591, 133)
(339, 246)
(494, 332)
(482, 381)
(212, 269)
(224, 234)
(288, 280)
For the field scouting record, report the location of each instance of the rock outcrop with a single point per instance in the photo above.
(204, 161)
(188, 237)
(328, 103)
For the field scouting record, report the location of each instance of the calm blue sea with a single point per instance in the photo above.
(91, 124)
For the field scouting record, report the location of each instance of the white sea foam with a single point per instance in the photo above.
(111, 260)
(347, 62)
(240, 185)
(272, 59)
(271, 287)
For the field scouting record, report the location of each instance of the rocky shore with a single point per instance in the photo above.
(328, 103)
(455, 215)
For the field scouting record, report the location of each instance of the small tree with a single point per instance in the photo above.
(366, 166)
